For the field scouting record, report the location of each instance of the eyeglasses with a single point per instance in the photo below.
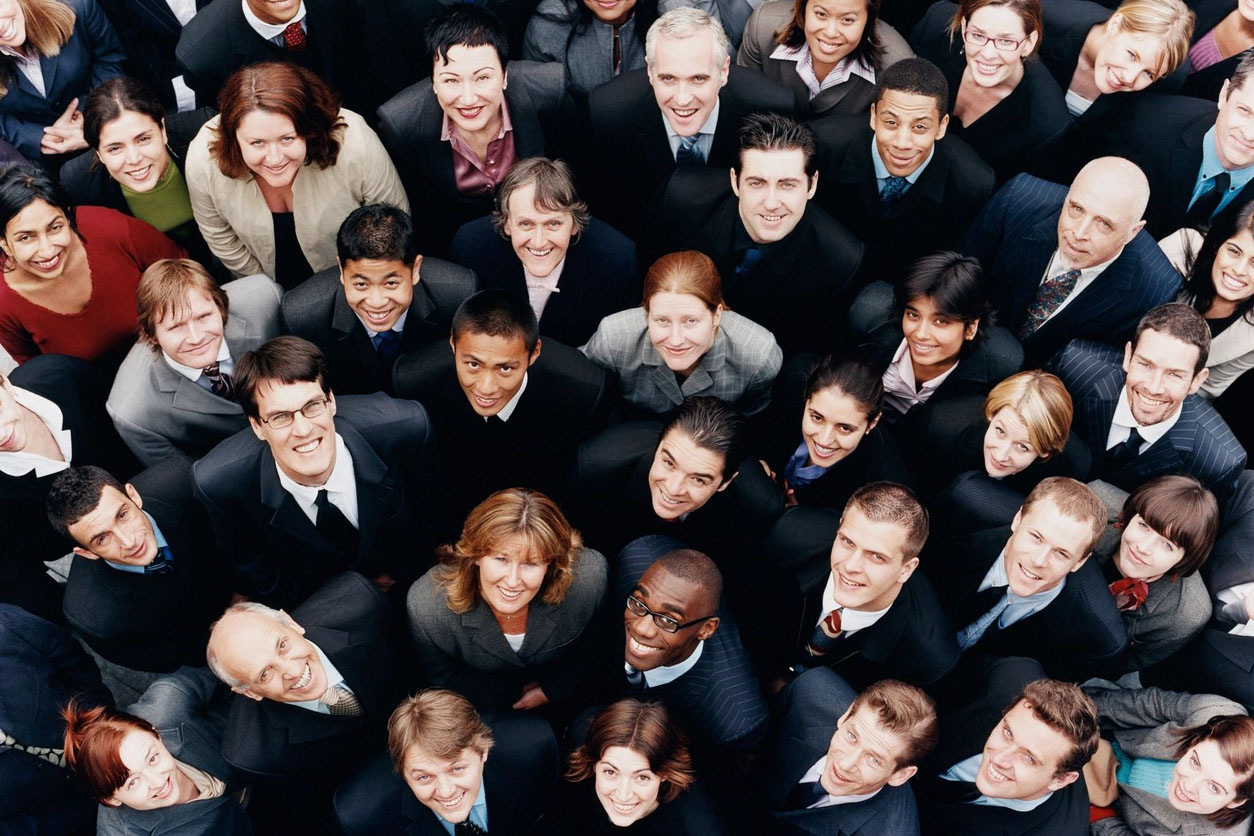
(664, 622)
(976, 40)
(283, 420)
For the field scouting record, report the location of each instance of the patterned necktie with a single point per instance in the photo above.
(689, 152)
(294, 38)
(635, 678)
(749, 262)
(333, 525)
(468, 828)
(1207, 202)
(1049, 296)
(973, 632)
(894, 188)
(1124, 452)
(56, 757)
(220, 383)
(826, 635)
(1130, 594)
(162, 563)
(805, 794)
(388, 344)
(341, 702)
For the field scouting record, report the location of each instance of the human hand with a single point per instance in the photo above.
(384, 582)
(533, 696)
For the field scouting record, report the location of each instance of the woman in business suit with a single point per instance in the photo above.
(1222, 36)
(1003, 101)
(507, 618)
(595, 41)
(826, 51)
(275, 173)
(642, 778)
(67, 47)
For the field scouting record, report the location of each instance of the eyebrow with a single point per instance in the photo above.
(662, 449)
(270, 415)
(665, 608)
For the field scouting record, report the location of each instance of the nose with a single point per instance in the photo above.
(989, 50)
(1040, 555)
(683, 96)
(772, 197)
(1002, 451)
(622, 790)
(676, 336)
(1155, 382)
(467, 93)
(274, 154)
(847, 761)
(444, 787)
(132, 154)
(126, 539)
(923, 329)
(675, 484)
(300, 424)
(826, 436)
(537, 238)
(194, 330)
(1081, 230)
(512, 574)
(853, 564)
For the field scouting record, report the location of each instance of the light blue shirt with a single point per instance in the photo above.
(881, 170)
(798, 472)
(161, 544)
(1211, 167)
(399, 327)
(334, 678)
(705, 137)
(1020, 607)
(478, 812)
(966, 771)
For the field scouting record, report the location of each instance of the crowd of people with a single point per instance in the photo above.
(672, 417)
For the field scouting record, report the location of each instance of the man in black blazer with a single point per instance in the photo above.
(843, 758)
(700, 669)
(682, 110)
(1065, 263)
(146, 582)
(786, 264)
(1144, 418)
(301, 496)
(384, 300)
(505, 414)
(1030, 589)
(150, 29)
(899, 184)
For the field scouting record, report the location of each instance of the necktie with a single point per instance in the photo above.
(388, 344)
(335, 527)
(689, 153)
(826, 635)
(805, 794)
(951, 792)
(341, 702)
(1207, 202)
(894, 188)
(635, 678)
(974, 631)
(468, 828)
(294, 38)
(162, 563)
(1049, 296)
(1123, 453)
(56, 757)
(1130, 593)
(749, 262)
(220, 383)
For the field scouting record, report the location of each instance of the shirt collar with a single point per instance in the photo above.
(334, 678)
(882, 172)
(667, 674)
(161, 544)
(192, 373)
(549, 282)
(399, 327)
(850, 620)
(270, 30)
(707, 128)
(905, 369)
(1058, 265)
(508, 409)
(966, 771)
(21, 463)
(340, 480)
(1211, 165)
(1151, 433)
(839, 74)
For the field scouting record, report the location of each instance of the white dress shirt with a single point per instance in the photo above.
(851, 621)
(341, 487)
(273, 31)
(1123, 422)
(22, 462)
(539, 290)
(334, 678)
(664, 675)
(705, 136)
(508, 409)
(225, 364)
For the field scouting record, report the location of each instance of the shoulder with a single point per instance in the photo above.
(133, 378)
(357, 139)
(750, 90)
(1033, 191)
(230, 467)
(310, 303)
(836, 133)
(379, 412)
(766, 20)
(199, 161)
(427, 600)
(543, 83)
(967, 168)
(347, 600)
(895, 46)
(749, 341)
(623, 329)
(252, 293)
(615, 101)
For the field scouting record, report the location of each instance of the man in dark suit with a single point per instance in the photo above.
(843, 758)
(303, 496)
(384, 300)
(681, 645)
(504, 414)
(1145, 419)
(700, 98)
(787, 265)
(150, 29)
(146, 582)
(899, 184)
(1064, 263)
(1030, 589)
(1024, 778)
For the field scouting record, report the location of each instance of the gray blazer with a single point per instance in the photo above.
(1143, 721)
(1173, 612)
(467, 652)
(739, 368)
(1231, 355)
(159, 413)
(853, 96)
(587, 54)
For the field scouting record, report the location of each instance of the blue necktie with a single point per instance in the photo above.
(894, 188)
(968, 636)
(388, 344)
(805, 794)
(1200, 213)
(162, 563)
(749, 262)
(635, 678)
(1124, 452)
(689, 152)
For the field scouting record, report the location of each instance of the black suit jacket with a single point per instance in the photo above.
(797, 290)
(1198, 445)
(930, 216)
(1206, 82)
(628, 132)
(519, 779)
(600, 276)
(154, 622)
(318, 311)
(150, 32)
(276, 553)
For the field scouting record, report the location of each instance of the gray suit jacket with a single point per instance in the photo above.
(160, 413)
(587, 54)
(1143, 721)
(1174, 612)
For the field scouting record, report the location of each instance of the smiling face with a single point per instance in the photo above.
(270, 147)
(1096, 221)
(987, 65)
(491, 369)
(1233, 270)
(1234, 126)
(869, 562)
(862, 756)
(625, 785)
(933, 339)
(378, 290)
(192, 333)
(470, 87)
(833, 29)
(1160, 376)
(612, 12)
(906, 127)
(12, 24)
(833, 424)
(773, 191)
(274, 11)
(116, 530)
(1008, 449)
(39, 240)
(684, 475)
(133, 150)
(540, 237)
(686, 75)
(682, 328)
(647, 645)
(511, 576)
(1203, 782)
(1021, 758)
(305, 450)
(1045, 546)
(272, 658)
(448, 787)
(1144, 553)
(153, 782)
(1127, 62)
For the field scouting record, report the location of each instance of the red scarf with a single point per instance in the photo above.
(1130, 593)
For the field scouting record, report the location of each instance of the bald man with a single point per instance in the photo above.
(1062, 263)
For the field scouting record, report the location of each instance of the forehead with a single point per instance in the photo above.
(924, 305)
(866, 722)
(688, 456)
(1062, 530)
(1032, 733)
(418, 759)
(135, 747)
(1242, 96)
(837, 7)
(35, 215)
(1165, 350)
(1213, 764)
(669, 303)
(1010, 421)
(129, 122)
(784, 163)
(468, 59)
(375, 267)
(491, 349)
(277, 396)
(624, 759)
(997, 20)
(1100, 192)
(694, 55)
(886, 538)
(265, 123)
(246, 641)
(522, 201)
(194, 301)
(1150, 48)
(911, 107)
(111, 499)
(664, 591)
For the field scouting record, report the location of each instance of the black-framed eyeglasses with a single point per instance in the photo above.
(664, 622)
(978, 39)
(311, 410)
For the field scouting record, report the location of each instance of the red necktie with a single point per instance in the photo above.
(294, 38)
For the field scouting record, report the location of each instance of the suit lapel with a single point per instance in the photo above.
(1186, 160)
(158, 12)
(524, 117)
(541, 625)
(287, 517)
(858, 171)
(1028, 264)
(188, 396)
(487, 634)
(352, 335)
(651, 136)
(1099, 413)
(1163, 456)
(375, 488)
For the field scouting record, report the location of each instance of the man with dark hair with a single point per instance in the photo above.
(504, 413)
(384, 300)
(301, 496)
(899, 184)
(1145, 418)
(146, 582)
(785, 264)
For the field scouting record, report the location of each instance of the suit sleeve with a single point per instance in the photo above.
(1126, 708)
(750, 53)
(1112, 826)
(107, 53)
(253, 574)
(440, 665)
(757, 396)
(203, 179)
(577, 666)
(983, 238)
(149, 447)
(379, 181)
(1222, 375)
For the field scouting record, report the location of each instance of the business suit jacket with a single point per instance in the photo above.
(1021, 127)
(318, 311)
(796, 290)
(566, 401)
(276, 553)
(1174, 611)
(1231, 355)
(930, 216)
(151, 32)
(1198, 445)
(467, 652)
(92, 55)
(586, 50)
(348, 620)
(1207, 82)
(600, 276)
(1015, 236)
(1216, 662)
(1231, 561)
(812, 705)
(519, 778)
(410, 124)
(853, 97)
(628, 128)
(160, 413)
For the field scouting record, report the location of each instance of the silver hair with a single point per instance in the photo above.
(685, 23)
(215, 664)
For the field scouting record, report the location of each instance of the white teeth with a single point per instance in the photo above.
(509, 595)
(539, 253)
(308, 448)
(305, 678)
(625, 808)
(456, 802)
(996, 774)
(772, 218)
(640, 649)
(667, 499)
